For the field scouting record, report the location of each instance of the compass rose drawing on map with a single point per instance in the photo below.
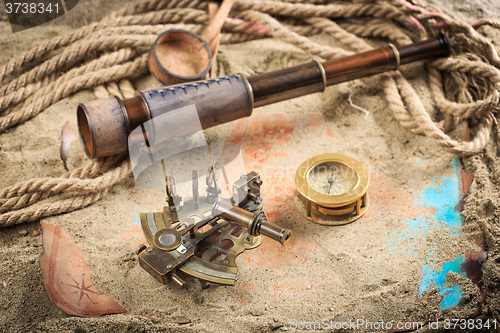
(82, 289)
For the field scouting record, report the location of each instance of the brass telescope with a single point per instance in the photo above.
(105, 124)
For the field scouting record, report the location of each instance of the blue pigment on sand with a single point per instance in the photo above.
(452, 295)
(442, 196)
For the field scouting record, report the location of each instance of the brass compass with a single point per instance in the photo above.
(332, 189)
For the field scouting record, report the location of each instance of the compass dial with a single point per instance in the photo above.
(332, 178)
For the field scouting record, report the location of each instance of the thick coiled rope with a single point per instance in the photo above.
(107, 54)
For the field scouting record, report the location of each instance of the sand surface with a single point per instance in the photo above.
(371, 269)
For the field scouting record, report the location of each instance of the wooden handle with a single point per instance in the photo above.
(216, 24)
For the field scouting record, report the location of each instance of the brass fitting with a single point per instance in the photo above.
(255, 223)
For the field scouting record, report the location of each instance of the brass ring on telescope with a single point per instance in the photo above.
(396, 55)
(323, 73)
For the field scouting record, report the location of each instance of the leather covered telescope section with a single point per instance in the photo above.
(105, 124)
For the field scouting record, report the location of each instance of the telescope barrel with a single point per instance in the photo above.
(314, 77)
(104, 124)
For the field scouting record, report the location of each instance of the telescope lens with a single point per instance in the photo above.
(85, 134)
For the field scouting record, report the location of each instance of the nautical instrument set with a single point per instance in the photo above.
(214, 209)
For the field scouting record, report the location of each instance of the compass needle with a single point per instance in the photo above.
(331, 182)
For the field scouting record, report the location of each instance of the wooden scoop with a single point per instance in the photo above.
(181, 56)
